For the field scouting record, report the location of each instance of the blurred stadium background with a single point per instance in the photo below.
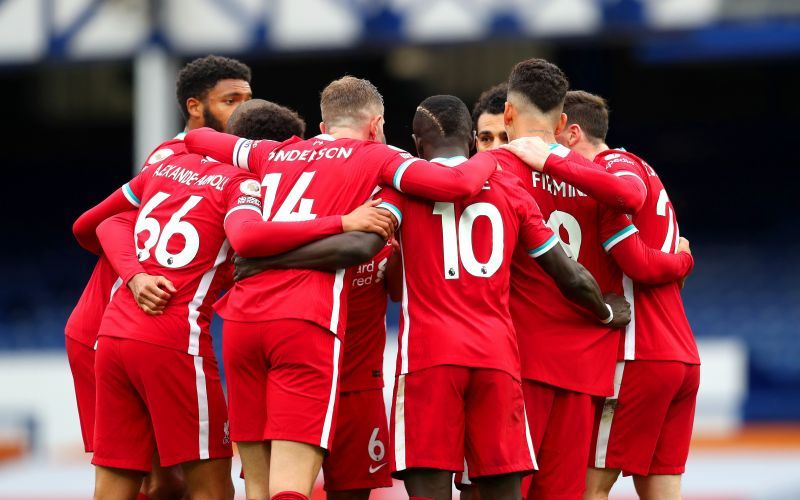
(706, 90)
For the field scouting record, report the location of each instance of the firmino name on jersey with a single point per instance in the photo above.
(189, 177)
(310, 154)
(554, 187)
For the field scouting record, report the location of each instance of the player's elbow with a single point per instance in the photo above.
(242, 245)
(632, 200)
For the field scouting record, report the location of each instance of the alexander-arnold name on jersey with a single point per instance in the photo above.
(554, 187)
(189, 177)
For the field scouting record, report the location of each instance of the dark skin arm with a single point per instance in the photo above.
(579, 286)
(394, 274)
(328, 254)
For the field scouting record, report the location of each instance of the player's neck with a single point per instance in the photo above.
(532, 128)
(589, 150)
(444, 152)
(192, 124)
(348, 133)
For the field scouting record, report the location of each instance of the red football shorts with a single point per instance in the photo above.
(443, 414)
(155, 398)
(81, 363)
(282, 380)
(360, 457)
(647, 428)
(561, 429)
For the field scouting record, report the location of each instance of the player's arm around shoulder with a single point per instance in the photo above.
(366, 230)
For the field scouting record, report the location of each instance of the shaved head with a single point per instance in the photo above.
(443, 121)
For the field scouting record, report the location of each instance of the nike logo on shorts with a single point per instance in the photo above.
(373, 470)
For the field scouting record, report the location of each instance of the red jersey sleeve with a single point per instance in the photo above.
(125, 198)
(536, 237)
(116, 237)
(417, 177)
(624, 193)
(638, 261)
(251, 236)
(228, 148)
(647, 265)
(393, 201)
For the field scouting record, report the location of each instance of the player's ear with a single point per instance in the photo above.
(322, 128)
(417, 145)
(472, 146)
(194, 107)
(508, 114)
(375, 128)
(562, 123)
(575, 134)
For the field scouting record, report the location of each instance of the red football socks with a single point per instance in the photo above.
(142, 496)
(289, 495)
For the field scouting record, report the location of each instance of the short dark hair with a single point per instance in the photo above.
(260, 119)
(202, 74)
(445, 116)
(589, 111)
(492, 101)
(541, 82)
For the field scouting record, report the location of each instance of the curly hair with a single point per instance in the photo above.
(492, 101)
(260, 119)
(198, 77)
(541, 82)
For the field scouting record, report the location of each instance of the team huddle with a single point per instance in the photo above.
(543, 345)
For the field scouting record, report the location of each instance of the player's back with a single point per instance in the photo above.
(560, 343)
(303, 180)
(659, 328)
(179, 234)
(456, 266)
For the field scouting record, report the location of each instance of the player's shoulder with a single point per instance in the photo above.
(620, 158)
(386, 149)
(166, 149)
(509, 161)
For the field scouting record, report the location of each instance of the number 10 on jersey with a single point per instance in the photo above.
(457, 240)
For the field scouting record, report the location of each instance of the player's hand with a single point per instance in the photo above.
(532, 150)
(369, 219)
(244, 267)
(621, 309)
(152, 293)
(683, 245)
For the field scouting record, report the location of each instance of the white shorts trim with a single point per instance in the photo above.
(604, 429)
(202, 408)
(324, 441)
(400, 425)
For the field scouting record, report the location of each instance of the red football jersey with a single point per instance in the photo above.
(362, 359)
(306, 179)
(456, 271)
(84, 322)
(179, 234)
(166, 149)
(659, 329)
(560, 343)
